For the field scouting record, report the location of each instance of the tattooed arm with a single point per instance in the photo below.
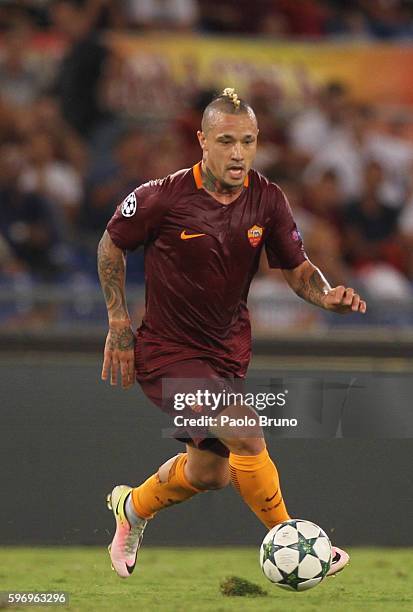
(120, 341)
(309, 283)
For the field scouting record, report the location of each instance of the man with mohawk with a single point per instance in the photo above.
(203, 230)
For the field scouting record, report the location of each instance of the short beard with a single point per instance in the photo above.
(214, 185)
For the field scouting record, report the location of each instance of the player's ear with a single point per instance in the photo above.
(202, 139)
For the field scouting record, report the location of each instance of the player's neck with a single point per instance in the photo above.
(225, 194)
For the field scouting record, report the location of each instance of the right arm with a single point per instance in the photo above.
(133, 224)
(120, 342)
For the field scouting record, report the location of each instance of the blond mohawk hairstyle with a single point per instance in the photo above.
(226, 102)
(229, 92)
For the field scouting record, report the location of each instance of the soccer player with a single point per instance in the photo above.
(203, 230)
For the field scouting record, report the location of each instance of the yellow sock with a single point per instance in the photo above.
(153, 495)
(256, 479)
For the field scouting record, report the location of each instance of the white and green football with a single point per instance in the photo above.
(296, 555)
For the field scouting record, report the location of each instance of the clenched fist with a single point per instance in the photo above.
(343, 300)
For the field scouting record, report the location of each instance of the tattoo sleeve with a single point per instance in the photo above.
(121, 339)
(112, 268)
(313, 287)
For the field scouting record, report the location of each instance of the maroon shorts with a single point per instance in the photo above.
(184, 377)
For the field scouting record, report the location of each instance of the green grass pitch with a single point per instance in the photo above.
(187, 580)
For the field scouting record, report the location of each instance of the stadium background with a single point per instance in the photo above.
(99, 96)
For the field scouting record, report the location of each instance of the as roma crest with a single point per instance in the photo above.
(254, 235)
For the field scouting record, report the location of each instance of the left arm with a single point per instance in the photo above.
(285, 250)
(308, 282)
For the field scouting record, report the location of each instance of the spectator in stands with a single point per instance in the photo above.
(52, 178)
(354, 19)
(391, 19)
(9, 264)
(105, 14)
(161, 14)
(166, 152)
(322, 197)
(307, 20)
(393, 150)
(371, 224)
(320, 223)
(281, 18)
(189, 118)
(8, 122)
(19, 82)
(348, 23)
(108, 184)
(45, 116)
(25, 222)
(344, 152)
(226, 16)
(317, 124)
(272, 155)
(80, 71)
(405, 227)
(324, 246)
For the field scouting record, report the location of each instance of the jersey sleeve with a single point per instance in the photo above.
(137, 218)
(283, 243)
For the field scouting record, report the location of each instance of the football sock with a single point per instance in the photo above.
(256, 479)
(153, 495)
(130, 512)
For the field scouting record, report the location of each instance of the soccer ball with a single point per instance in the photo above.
(296, 555)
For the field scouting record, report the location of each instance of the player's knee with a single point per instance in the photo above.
(246, 446)
(211, 480)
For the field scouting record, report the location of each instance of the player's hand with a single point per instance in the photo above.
(119, 354)
(344, 300)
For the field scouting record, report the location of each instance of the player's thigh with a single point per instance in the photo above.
(206, 470)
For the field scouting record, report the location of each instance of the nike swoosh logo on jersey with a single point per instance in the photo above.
(185, 236)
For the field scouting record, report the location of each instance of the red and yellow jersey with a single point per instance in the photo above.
(200, 258)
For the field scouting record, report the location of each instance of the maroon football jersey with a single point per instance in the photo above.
(200, 258)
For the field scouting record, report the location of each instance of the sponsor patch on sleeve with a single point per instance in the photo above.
(128, 207)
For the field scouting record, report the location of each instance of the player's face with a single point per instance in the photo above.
(229, 147)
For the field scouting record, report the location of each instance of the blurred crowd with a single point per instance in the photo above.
(355, 19)
(67, 157)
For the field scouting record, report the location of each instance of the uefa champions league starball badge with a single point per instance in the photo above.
(128, 208)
